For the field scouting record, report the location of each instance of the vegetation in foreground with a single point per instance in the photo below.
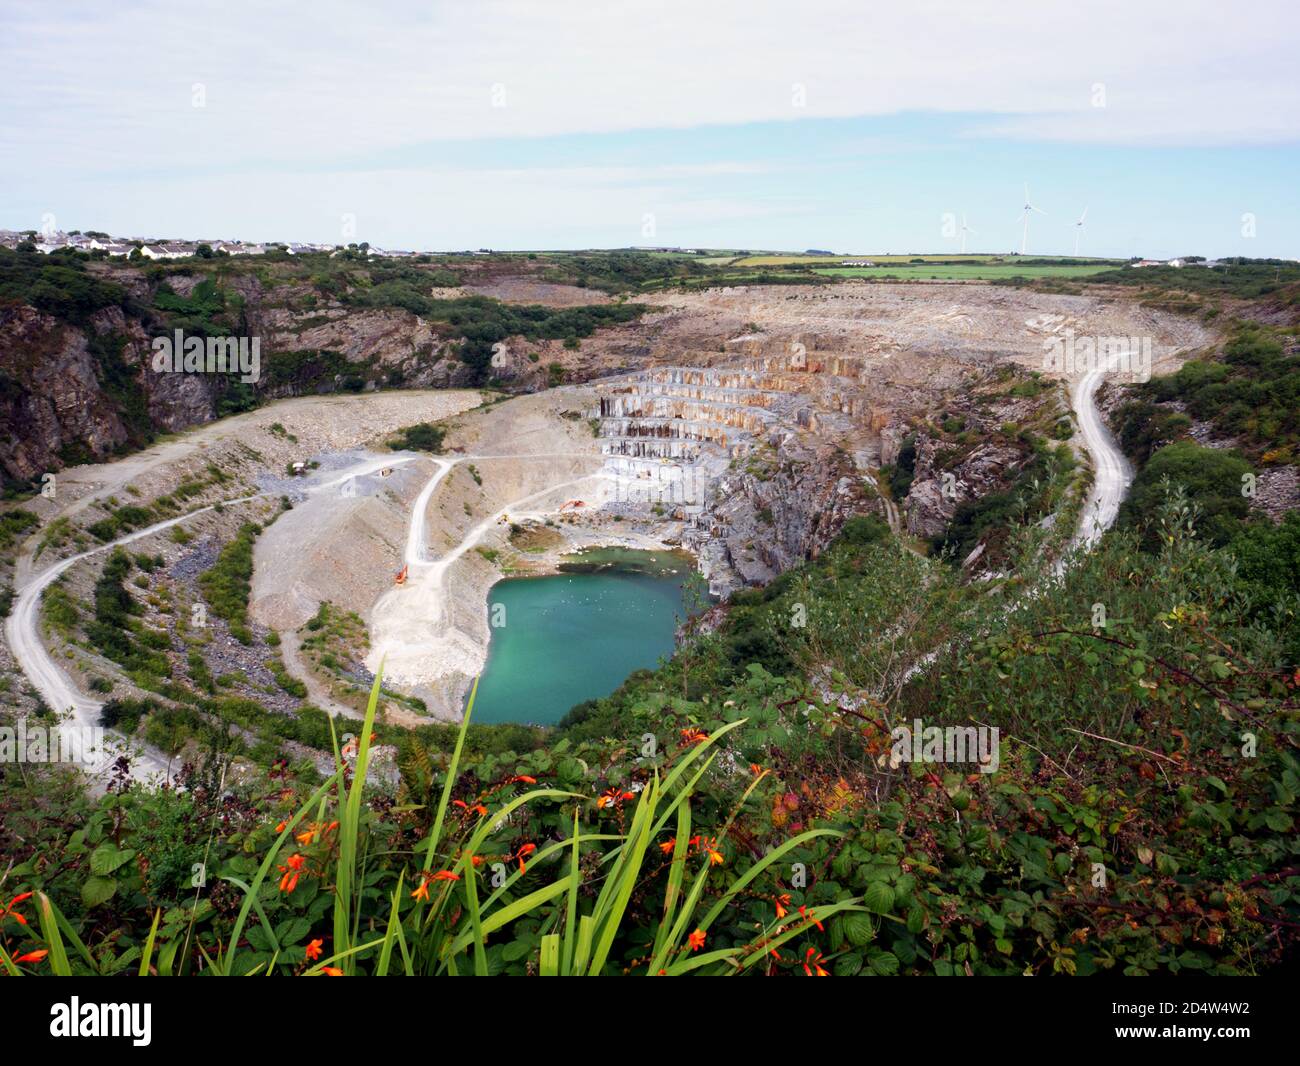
(740, 809)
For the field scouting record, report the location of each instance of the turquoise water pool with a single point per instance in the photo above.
(576, 635)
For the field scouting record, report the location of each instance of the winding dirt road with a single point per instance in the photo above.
(410, 635)
(1112, 473)
(81, 712)
(22, 630)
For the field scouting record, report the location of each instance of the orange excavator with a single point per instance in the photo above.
(575, 504)
(400, 577)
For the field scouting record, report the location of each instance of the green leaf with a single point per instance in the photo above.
(848, 965)
(516, 950)
(292, 931)
(884, 963)
(1278, 820)
(97, 890)
(879, 897)
(107, 857)
(859, 930)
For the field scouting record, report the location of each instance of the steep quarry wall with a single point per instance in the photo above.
(750, 453)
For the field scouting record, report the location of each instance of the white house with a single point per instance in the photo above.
(109, 245)
(167, 250)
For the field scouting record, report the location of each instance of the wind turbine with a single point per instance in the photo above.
(1024, 217)
(1078, 231)
(965, 229)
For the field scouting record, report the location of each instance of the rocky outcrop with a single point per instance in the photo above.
(1277, 491)
(766, 525)
(52, 402)
(75, 393)
(940, 485)
(744, 453)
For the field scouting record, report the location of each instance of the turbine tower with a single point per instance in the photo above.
(1078, 231)
(965, 229)
(1024, 217)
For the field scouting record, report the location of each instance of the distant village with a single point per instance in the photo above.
(93, 241)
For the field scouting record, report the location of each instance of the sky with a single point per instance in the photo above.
(858, 126)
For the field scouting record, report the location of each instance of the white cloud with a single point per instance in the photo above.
(109, 87)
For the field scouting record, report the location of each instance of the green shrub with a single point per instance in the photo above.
(1212, 480)
(227, 583)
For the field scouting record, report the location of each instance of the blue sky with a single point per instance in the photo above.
(851, 126)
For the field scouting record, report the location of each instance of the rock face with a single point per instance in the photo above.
(769, 525)
(72, 393)
(745, 453)
(939, 489)
(51, 400)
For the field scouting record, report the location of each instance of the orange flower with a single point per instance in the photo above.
(710, 848)
(612, 797)
(696, 940)
(291, 870)
(812, 961)
(281, 827)
(525, 779)
(524, 851)
(467, 807)
(781, 902)
(307, 836)
(668, 845)
(33, 956)
(9, 912)
(421, 891)
(694, 736)
(331, 827)
(803, 913)
(331, 971)
(755, 769)
(313, 949)
(445, 875)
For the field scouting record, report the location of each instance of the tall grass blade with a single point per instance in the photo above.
(350, 829)
(147, 954)
(53, 938)
(452, 767)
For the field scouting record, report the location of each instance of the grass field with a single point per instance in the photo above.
(831, 260)
(974, 272)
